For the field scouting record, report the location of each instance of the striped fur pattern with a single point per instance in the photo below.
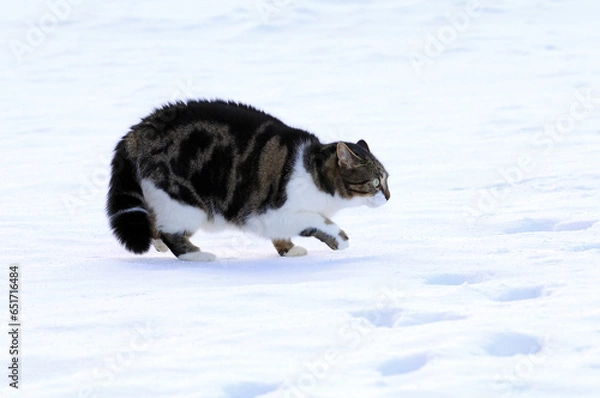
(213, 164)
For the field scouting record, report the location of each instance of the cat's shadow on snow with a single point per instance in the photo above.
(274, 264)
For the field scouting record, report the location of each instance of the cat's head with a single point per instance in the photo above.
(363, 176)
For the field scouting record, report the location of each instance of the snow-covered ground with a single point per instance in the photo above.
(478, 279)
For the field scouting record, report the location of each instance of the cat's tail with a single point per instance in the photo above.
(127, 211)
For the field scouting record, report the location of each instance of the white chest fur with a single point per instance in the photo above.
(303, 194)
(303, 199)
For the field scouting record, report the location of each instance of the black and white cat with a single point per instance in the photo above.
(211, 164)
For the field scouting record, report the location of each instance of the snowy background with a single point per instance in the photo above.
(478, 279)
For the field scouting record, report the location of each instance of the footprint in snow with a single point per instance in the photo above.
(394, 317)
(248, 389)
(381, 318)
(586, 247)
(454, 279)
(574, 225)
(520, 293)
(416, 319)
(402, 365)
(547, 225)
(507, 344)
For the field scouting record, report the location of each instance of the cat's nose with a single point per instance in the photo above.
(386, 193)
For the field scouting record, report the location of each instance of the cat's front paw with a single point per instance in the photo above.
(343, 240)
(335, 239)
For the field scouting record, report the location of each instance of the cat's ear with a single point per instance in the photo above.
(346, 158)
(363, 145)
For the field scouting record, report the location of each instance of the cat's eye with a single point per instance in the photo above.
(376, 182)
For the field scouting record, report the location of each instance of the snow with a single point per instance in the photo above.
(477, 279)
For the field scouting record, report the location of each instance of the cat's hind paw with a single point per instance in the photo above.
(160, 246)
(197, 256)
(296, 251)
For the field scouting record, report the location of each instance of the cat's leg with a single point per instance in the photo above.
(159, 245)
(316, 225)
(181, 247)
(286, 248)
(335, 239)
(322, 228)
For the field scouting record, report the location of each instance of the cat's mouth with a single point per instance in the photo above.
(377, 200)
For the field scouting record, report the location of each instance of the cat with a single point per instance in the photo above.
(210, 164)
